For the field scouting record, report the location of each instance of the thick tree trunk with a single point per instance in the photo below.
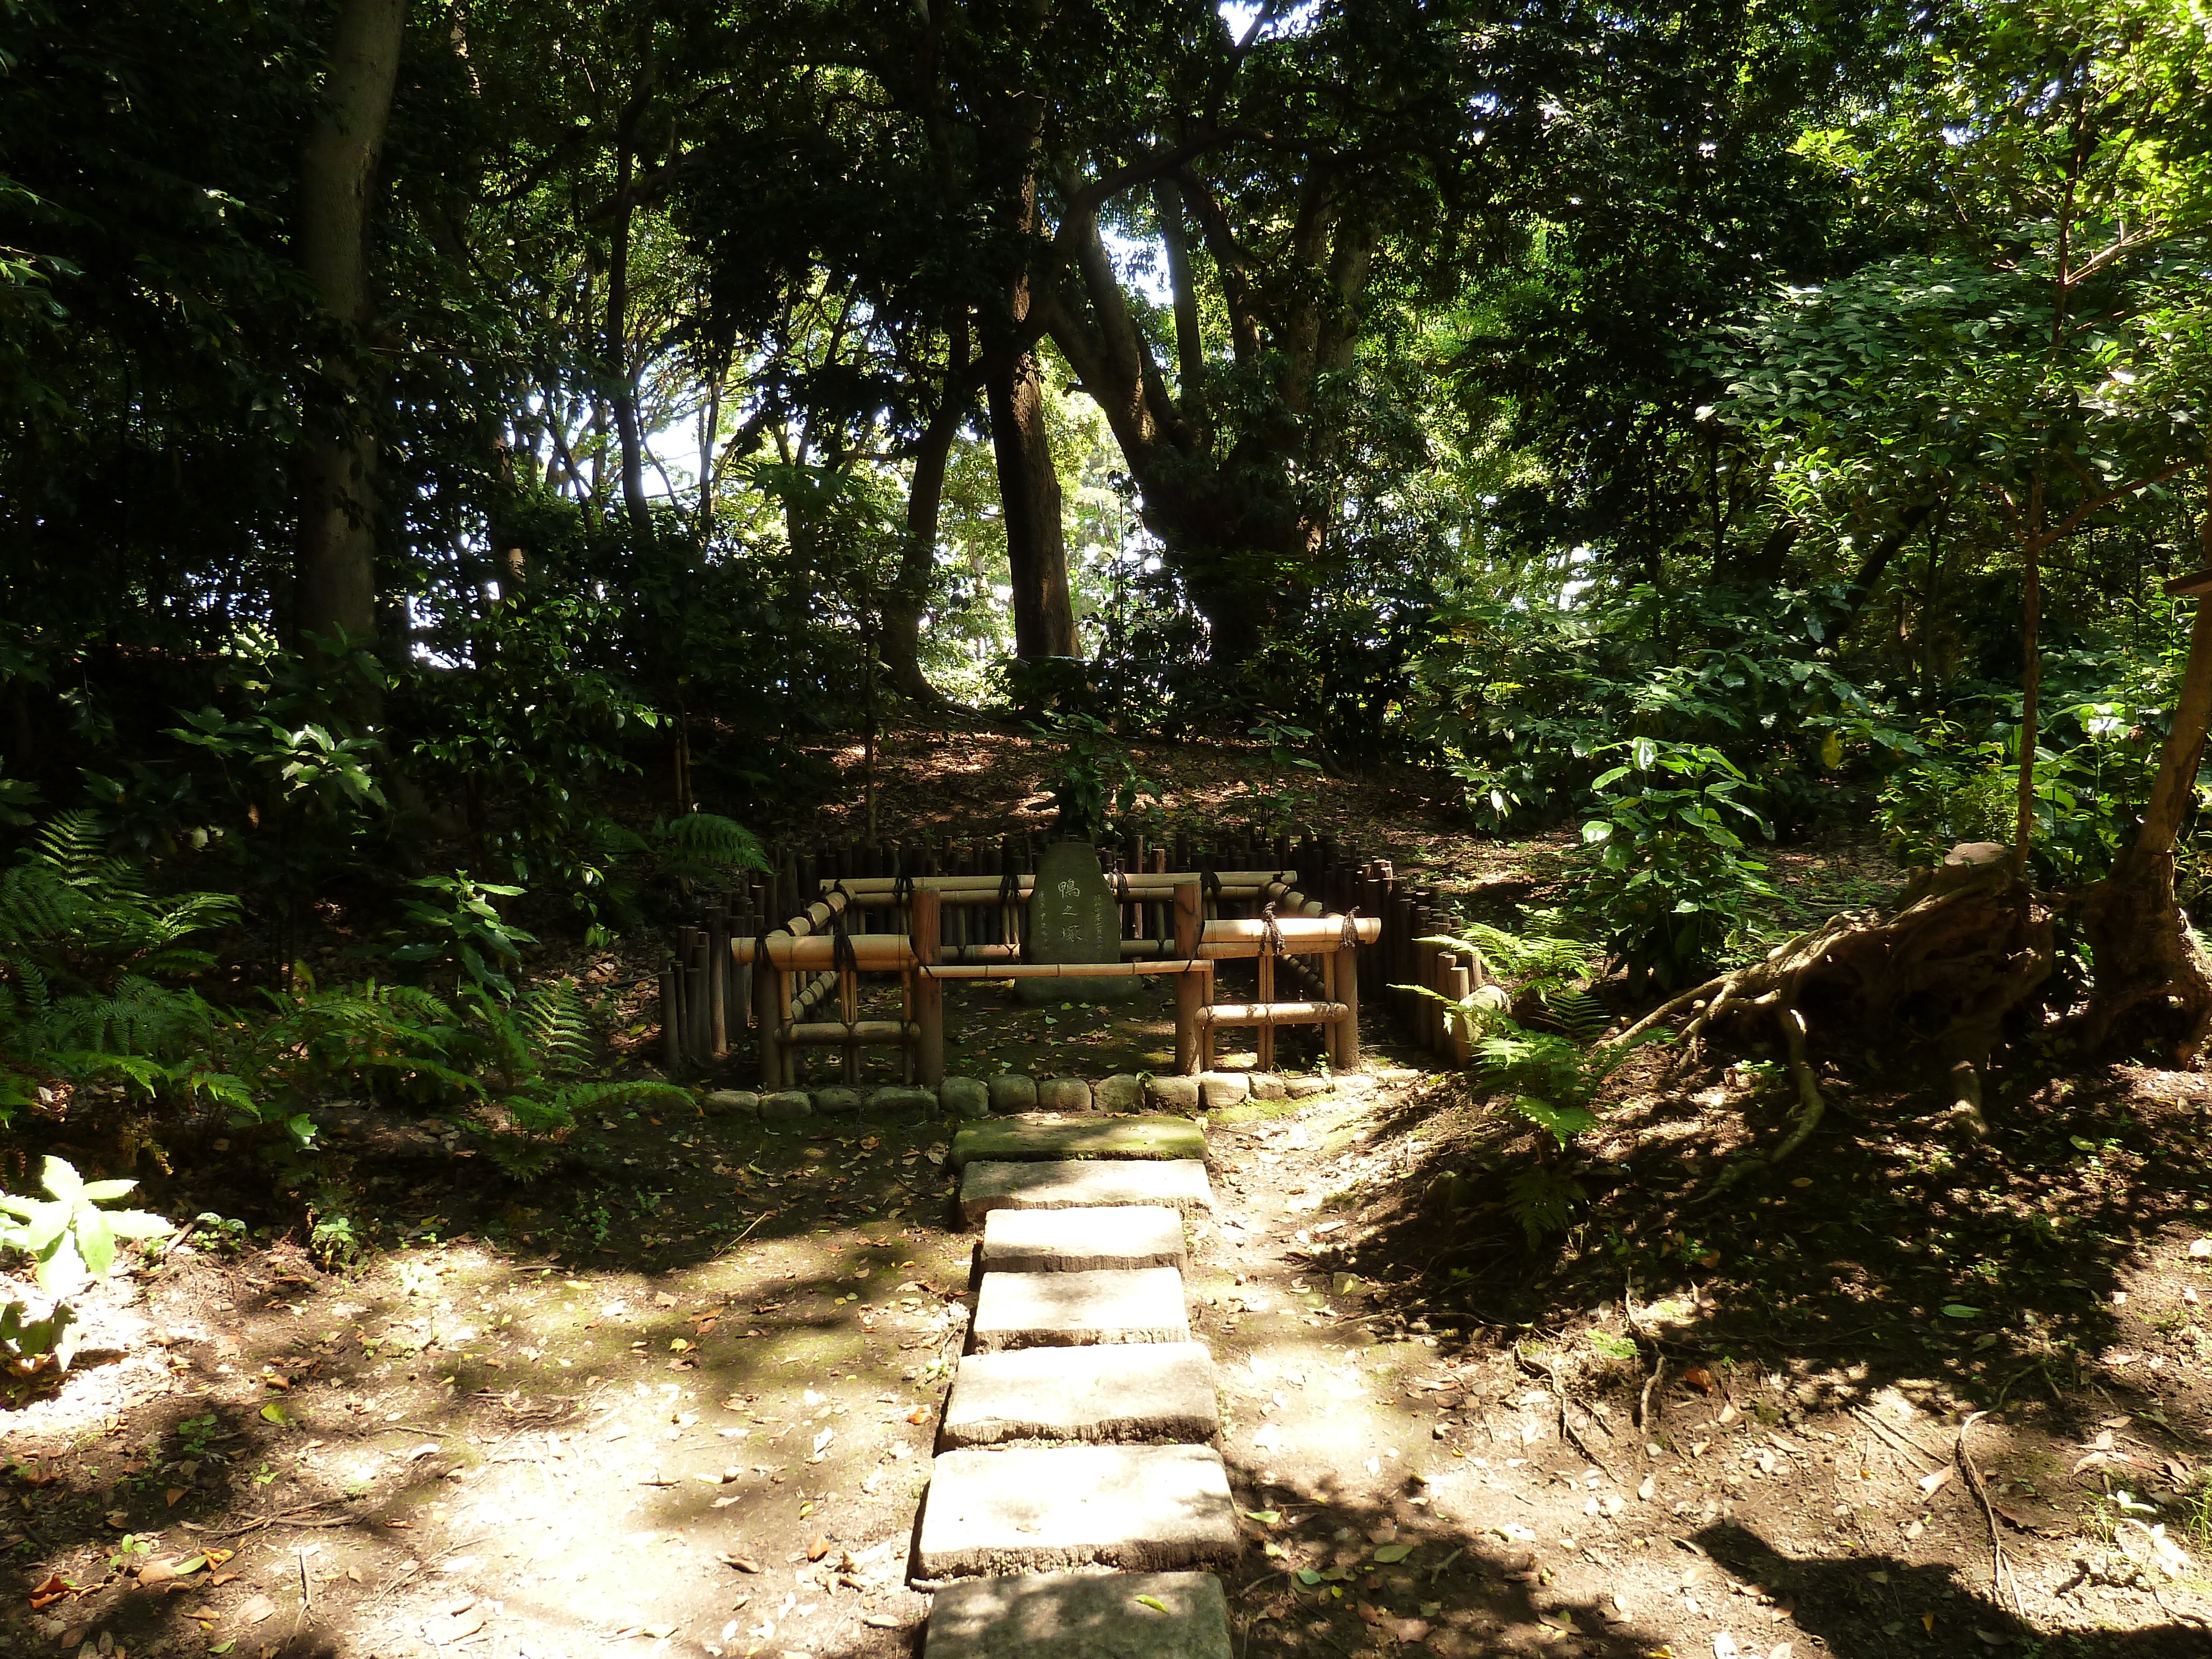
(2154, 981)
(1029, 493)
(336, 591)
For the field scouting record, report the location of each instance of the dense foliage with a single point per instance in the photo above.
(1692, 422)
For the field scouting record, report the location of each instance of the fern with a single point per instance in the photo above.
(1564, 1122)
(706, 850)
(558, 1026)
(1542, 1200)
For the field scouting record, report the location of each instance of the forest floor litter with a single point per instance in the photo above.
(706, 1445)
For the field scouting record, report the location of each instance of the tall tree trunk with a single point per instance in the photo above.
(621, 384)
(903, 604)
(336, 590)
(1029, 493)
(2153, 978)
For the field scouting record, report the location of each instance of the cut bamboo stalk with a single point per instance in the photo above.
(841, 1034)
(924, 996)
(1270, 1014)
(876, 953)
(1246, 884)
(1190, 989)
(1193, 968)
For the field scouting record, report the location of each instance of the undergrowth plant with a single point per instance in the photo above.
(1549, 1074)
(1667, 886)
(71, 1240)
(84, 953)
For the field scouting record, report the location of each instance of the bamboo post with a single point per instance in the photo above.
(1191, 988)
(1344, 1036)
(671, 1022)
(1428, 971)
(1263, 1044)
(1459, 985)
(717, 987)
(768, 1024)
(925, 917)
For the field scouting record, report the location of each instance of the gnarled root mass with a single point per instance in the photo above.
(2153, 983)
(1968, 943)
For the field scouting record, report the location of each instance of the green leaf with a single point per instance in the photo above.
(1308, 1577)
(1959, 1310)
(1153, 1602)
(1392, 1553)
(137, 1223)
(275, 1413)
(101, 1191)
(95, 1242)
(61, 1179)
(1265, 1517)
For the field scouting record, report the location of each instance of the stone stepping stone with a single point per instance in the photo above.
(1036, 1509)
(1117, 1305)
(1178, 1183)
(1081, 1615)
(1082, 1241)
(1147, 1391)
(1011, 1140)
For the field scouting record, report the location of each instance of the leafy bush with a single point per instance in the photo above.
(459, 926)
(68, 1235)
(1092, 778)
(82, 942)
(1665, 886)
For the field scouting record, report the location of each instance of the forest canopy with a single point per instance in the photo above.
(433, 433)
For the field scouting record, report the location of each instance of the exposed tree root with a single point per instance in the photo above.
(1968, 943)
(2154, 980)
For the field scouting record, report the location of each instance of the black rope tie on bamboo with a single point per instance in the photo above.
(1209, 883)
(840, 948)
(1010, 888)
(1349, 939)
(902, 891)
(1121, 895)
(1272, 942)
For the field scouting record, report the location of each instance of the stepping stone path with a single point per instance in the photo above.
(1079, 1434)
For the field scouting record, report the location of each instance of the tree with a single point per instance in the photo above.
(2052, 356)
(338, 513)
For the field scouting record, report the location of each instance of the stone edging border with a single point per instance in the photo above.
(1017, 1091)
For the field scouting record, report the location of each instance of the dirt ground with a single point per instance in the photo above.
(700, 1422)
(1914, 1396)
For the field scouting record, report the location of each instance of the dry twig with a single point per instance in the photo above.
(1989, 1514)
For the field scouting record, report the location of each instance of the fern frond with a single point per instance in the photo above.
(68, 845)
(703, 847)
(522, 1160)
(558, 1024)
(1542, 1201)
(1563, 1123)
(1579, 1014)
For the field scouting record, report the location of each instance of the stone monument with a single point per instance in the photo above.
(1073, 917)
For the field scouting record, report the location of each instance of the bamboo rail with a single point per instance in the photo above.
(740, 988)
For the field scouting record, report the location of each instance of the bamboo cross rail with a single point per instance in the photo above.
(799, 966)
(717, 981)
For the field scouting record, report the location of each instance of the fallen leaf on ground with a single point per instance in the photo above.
(817, 1549)
(258, 1609)
(1932, 1484)
(54, 1590)
(1153, 1602)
